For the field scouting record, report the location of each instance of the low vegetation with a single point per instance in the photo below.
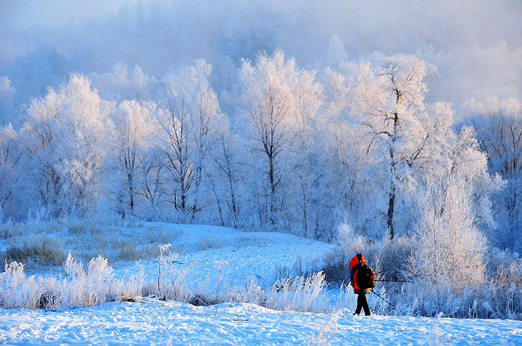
(38, 244)
(309, 285)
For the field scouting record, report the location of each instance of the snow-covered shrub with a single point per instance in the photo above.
(50, 292)
(95, 286)
(20, 291)
(501, 297)
(17, 289)
(91, 287)
(171, 276)
(100, 278)
(299, 294)
(349, 241)
(9, 229)
(448, 248)
(389, 258)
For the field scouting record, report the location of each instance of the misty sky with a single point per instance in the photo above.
(477, 21)
(27, 13)
(475, 45)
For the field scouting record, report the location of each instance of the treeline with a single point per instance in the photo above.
(300, 154)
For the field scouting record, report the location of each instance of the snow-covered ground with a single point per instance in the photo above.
(239, 257)
(162, 323)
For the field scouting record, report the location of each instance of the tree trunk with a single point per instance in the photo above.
(391, 210)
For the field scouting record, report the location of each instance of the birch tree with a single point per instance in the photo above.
(397, 122)
(280, 102)
(129, 146)
(188, 129)
(10, 155)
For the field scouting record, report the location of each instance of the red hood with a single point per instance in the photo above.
(356, 259)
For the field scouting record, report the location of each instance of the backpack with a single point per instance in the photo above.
(365, 277)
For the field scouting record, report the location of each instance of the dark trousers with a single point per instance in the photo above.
(362, 303)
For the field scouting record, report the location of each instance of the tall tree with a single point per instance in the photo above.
(396, 120)
(226, 180)
(449, 245)
(129, 145)
(280, 102)
(308, 95)
(189, 126)
(65, 142)
(10, 154)
(351, 186)
(499, 130)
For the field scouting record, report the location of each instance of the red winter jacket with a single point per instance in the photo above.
(356, 262)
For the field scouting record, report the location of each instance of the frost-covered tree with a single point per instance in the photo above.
(450, 201)
(10, 155)
(379, 135)
(189, 127)
(64, 137)
(121, 84)
(129, 142)
(499, 130)
(280, 104)
(227, 179)
(351, 190)
(7, 92)
(396, 121)
(449, 248)
(305, 192)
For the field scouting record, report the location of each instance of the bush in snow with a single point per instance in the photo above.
(81, 287)
(299, 293)
(44, 244)
(91, 287)
(349, 241)
(171, 276)
(17, 290)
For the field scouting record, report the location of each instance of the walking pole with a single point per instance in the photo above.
(391, 280)
(393, 306)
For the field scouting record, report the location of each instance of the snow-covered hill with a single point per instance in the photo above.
(227, 257)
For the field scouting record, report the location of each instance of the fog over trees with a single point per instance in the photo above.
(390, 119)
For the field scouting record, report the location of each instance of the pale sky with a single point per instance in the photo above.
(25, 13)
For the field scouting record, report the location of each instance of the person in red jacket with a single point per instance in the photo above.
(356, 281)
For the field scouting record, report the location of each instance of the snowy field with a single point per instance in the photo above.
(158, 323)
(237, 256)
(228, 256)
